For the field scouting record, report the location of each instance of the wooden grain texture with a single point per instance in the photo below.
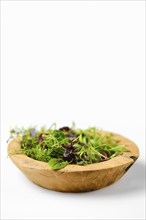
(75, 178)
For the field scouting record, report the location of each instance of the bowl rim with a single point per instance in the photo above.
(27, 162)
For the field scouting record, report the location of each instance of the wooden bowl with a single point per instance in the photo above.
(75, 178)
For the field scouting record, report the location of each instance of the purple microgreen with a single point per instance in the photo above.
(32, 132)
(66, 129)
(40, 138)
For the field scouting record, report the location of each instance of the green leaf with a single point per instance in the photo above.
(57, 164)
(81, 138)
(119, 148)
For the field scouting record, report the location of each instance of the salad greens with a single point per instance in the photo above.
(60, 147)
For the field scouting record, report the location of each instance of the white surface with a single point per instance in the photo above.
(81, 61)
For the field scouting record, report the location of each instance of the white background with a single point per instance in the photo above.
(81, 61)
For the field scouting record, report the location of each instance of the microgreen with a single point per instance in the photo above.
(60, 147)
